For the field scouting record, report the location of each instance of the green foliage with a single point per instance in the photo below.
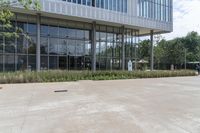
(6, 15)
(172, 51)
(30, 4)
(63, 76)
(143, 50)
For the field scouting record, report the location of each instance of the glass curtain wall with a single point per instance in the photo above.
(65, 45)
(19, 53)
(62, 47)
(160, 10)
(113, 5)
(109, 47)
(131, 41)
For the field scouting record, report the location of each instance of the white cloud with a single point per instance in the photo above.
(186, 18)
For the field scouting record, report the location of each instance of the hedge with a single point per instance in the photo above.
(63, 76)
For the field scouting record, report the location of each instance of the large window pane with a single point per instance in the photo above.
(32, 29)
(80, 48)
(53, 62)
(71, 33)
(32, 62)
(53, 46)
(87, 48)
(103, 49)
(102, 63)
(9, 62)
(102, 3)
(89, 3)
(114, 5)
(32, 45)
(106, 4)
(97, 3)
(110, 4)
(72, 47)
(84, 2)
(53, 31)
(63, 47)
(44, 45)
(23, 26)
(44, 30)
(44, 62)
(88, 63)
(22, 44)
(21, 62)
(63, 32)
(80, 34)
(10, 45)
(79, 1)
(87, 35)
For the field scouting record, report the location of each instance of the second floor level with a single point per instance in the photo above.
(138, 14)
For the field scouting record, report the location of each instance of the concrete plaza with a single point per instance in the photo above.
(165, 105)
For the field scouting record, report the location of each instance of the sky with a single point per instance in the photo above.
(186, 18)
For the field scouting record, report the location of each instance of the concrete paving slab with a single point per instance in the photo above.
(165, 105)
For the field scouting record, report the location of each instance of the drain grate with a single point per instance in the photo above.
(61, 91)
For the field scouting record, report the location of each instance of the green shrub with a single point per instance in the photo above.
(62, 75)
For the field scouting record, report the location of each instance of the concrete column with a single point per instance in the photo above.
(123, 50)
(38, 44)
(152, 51)
(93, 34)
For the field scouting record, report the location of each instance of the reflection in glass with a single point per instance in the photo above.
(63, 32)
(53, 46)
(9, 62)
(44, 63)
(31, 62)
(32, 29)
(53, 31)
(23, 26)
(63, 47)
(87, 48)
(53, 62)
(22, 44)
(44, 45)
(80, 48)
(66, 48)
(32, 45)
(44, 30)
(72, 47)
(71, 33)
(21, 62)
(10, 45)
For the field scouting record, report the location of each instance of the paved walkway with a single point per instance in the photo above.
(167, 105)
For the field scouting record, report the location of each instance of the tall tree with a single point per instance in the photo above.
(159, 53)
(192, 44)
(143, 50)
(6, 14)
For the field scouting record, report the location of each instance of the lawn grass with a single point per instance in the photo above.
(63, 76)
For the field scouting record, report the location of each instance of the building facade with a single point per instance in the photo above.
(83, 34)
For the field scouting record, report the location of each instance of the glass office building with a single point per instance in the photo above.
(82, 34)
